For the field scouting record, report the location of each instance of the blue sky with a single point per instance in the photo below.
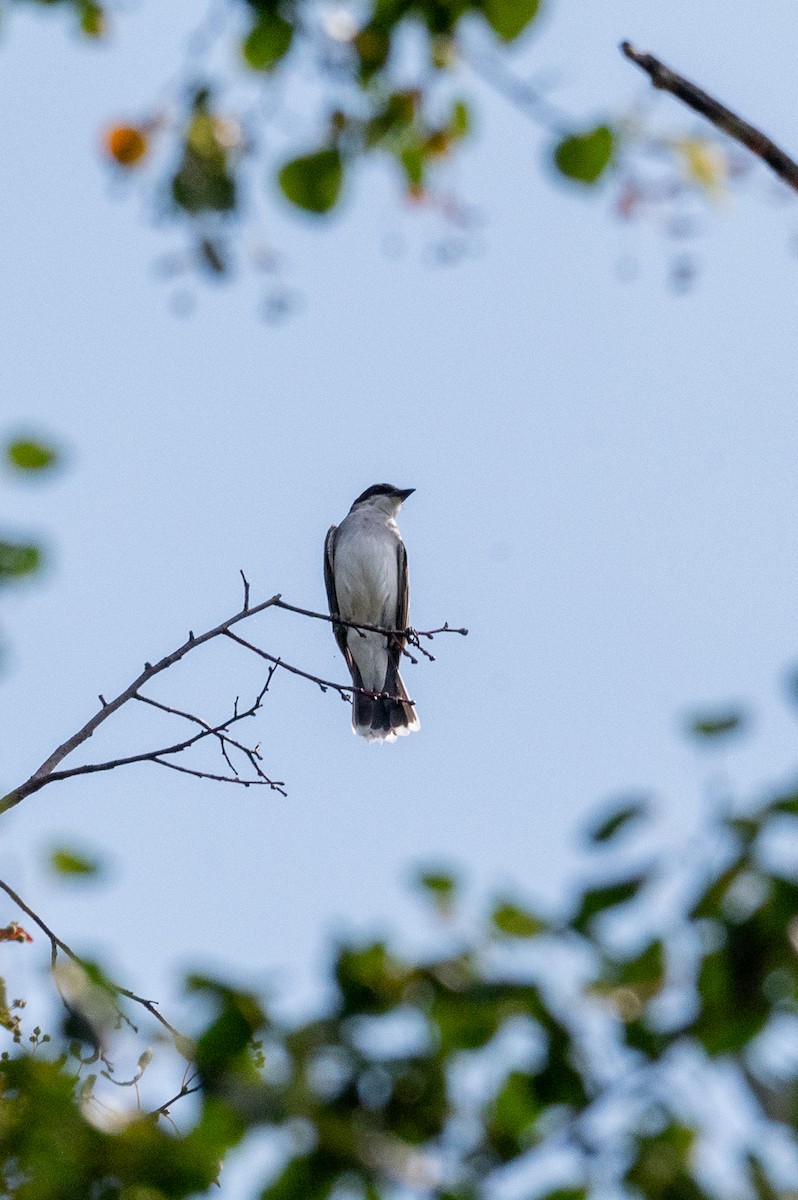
(606, 497)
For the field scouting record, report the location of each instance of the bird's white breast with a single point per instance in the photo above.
(366, 569)
(366, 572)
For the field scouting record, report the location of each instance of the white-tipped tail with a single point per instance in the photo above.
(384, 720)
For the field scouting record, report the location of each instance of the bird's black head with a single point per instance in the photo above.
(386, 491)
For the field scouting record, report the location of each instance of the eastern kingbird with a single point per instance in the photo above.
(365, 570)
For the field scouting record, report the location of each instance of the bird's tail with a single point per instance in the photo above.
(382, 720)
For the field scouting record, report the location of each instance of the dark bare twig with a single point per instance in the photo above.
(278, 602)
(57, 944)
(721, 117)
(48, 772)
(324, 684)
(220, 732)
(186, 1090)
(275, 785)
(159, 756)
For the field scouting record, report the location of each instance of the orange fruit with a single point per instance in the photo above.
(126, 145)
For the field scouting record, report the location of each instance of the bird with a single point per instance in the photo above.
(365, 573)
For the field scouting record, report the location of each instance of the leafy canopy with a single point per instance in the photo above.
(367, 1097)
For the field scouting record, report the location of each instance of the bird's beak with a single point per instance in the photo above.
(407, 492)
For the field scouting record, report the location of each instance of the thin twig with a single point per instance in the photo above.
(324, 684)
(57, 944)
(218, 731)
(341, 688)
(721, 117)
(186, 1090)
(336, 620)
(264, 782)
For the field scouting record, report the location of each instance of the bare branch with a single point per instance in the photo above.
(721, 117)
(49, 771)
(57, 944)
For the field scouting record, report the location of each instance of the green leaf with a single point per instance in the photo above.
(17, 560)
(268, 41)
(371, 980)
(598, 900)
(661, 1165)
(787, 803)
(64, 861)
(639, 1036)
(7, 1018)
(514, 1112)
(709, 905)
(27, 455)
(313, 182)
(92, 19)
(644, 973)
(196, 188)
(460, 120)
(585, 156)
(716, 725)
(440, 888)
(762, 1187)
(417, 1108)
(508, 18)
(509, 919)
(204, 181)
(466, 1021)
(372, 46)
(617, 821)
(566, 1194)
(411, 157)
(308, 1178)
(734, 1007)
(223, 1047)
(440, 885)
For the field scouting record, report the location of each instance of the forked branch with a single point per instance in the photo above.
(242, 762)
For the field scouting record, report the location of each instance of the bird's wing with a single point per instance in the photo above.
(402, 602)
(332, 599)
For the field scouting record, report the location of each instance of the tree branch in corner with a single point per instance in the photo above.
(721, 117)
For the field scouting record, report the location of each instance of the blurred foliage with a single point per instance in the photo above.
(28, 455)
(585, 156)
(604, 1038)
(617, 821)
(18, 559)
(90, 17)
(598, 1035)
(72, 863)
(363, 113)
(717, 726)
(24, 457)
(387, 80)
